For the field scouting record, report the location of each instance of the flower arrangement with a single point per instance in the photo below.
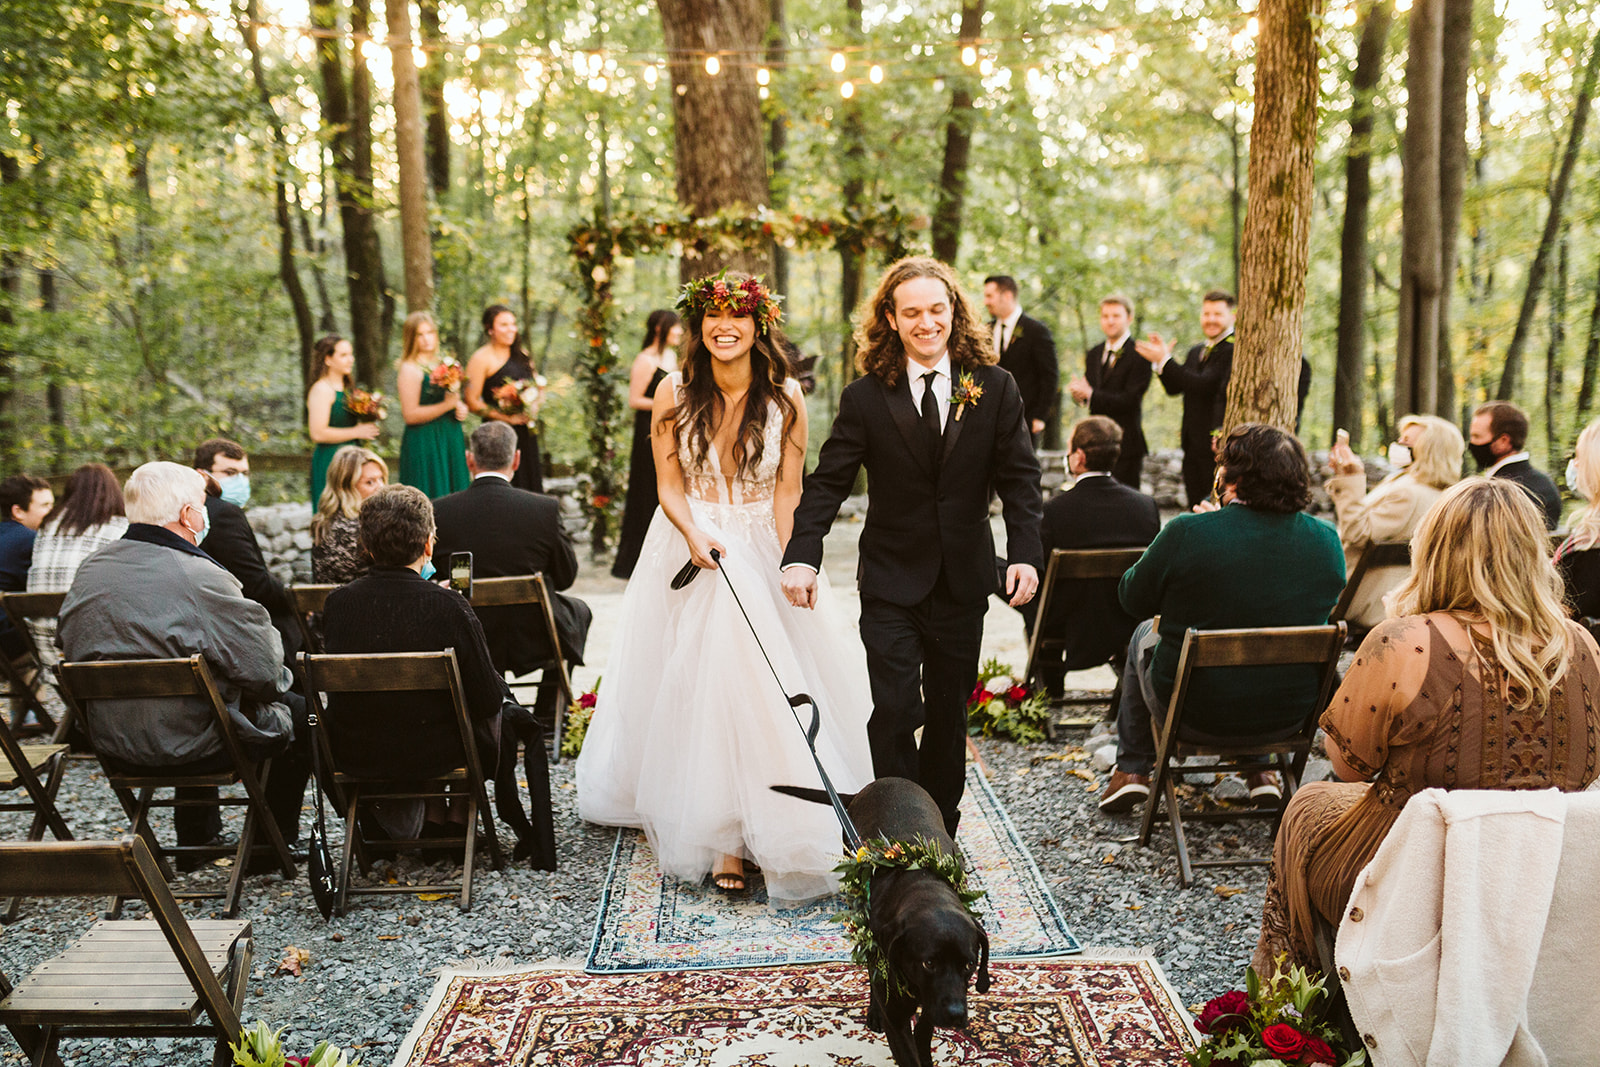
(579, 712)
(1001, 704)
(747, 297)
(518, 397)
(855, 885)
(365, 406)
(446, 374)
(260, 1047)
(965, 393)
(1277, 1024)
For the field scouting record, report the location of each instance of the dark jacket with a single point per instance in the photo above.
(1538, 486)
(927, 510)
(1030, 356)
(16, 557)
(391, 609)
(512, 531)
(232, 543)
(1119, 395)
(1580, 571)
(1202, 380)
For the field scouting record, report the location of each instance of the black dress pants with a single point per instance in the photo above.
(922, 662)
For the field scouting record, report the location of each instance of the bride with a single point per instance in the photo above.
(690, 727)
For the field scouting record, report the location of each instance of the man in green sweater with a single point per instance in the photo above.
(1255, 559)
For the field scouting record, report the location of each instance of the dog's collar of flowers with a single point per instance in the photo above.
(747, 297)
(855, 885)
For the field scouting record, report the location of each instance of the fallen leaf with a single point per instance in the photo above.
(434, 896)
(293, 960)
(1112, 858)
(1135, 907)
(1022, 771)
(1079, 772)
(388, 937)
(1226, 891)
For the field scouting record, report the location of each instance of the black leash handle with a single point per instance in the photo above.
(851, 837)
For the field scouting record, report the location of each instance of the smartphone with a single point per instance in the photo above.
(1342, 437)
(461, 573)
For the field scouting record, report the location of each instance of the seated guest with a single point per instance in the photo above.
(89, 516)
(1257, 560)
(512, 531)
(354, 474)
(1427, 459)
(1097, 512)
(24, 502)
(155, 594)
(1479, 682)
(394, 608)
(1578, 558)
(230, 540)
(1495, 437)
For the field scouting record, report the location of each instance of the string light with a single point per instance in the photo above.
(837, 63)
(969, 56)
(986, 68)
(713, 64)
(875, 75)
(763, 76)
(847, 89)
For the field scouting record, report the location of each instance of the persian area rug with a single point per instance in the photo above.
(651, 923)
(1061, 1013)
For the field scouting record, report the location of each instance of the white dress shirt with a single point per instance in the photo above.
(1005, 329)
(1515, 457)
(1113, 350)
(941, 386)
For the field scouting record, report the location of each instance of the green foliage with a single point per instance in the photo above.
(1001, 704)
(1272, 1025)
(260, 1047)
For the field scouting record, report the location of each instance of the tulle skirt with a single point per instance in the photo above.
(690, 727)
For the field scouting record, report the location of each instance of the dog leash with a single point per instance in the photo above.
(851, 837)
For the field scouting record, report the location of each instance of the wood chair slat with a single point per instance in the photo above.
(1070, 565)
(531, 589)
(1376, 555)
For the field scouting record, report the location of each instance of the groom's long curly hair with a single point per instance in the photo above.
(879, 350)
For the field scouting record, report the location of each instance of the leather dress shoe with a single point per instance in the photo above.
(1124, 792)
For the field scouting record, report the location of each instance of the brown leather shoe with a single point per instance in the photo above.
(1124, 792)
(1264, 789)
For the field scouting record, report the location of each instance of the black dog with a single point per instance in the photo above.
(931, 941)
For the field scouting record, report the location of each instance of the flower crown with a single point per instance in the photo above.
(747, 297)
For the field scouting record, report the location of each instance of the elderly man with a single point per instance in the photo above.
(155, 594)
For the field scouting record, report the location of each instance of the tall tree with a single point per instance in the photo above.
(415, 244)
(1552, 224)
(1350, 365)
(1416, 361)
(1454, 77)
(778, 132)
(951, 198)
(719, 146)
(1277, 226)
(1553, 367)
(432, 81)
(852, 189)
(1591, 357)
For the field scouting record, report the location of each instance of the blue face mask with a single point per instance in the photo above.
(428, 570)
(205, 527)
(235, 489)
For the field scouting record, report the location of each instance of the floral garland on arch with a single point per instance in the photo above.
(596, 245)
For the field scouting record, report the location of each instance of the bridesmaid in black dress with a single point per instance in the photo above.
(501, 360)
(655, 361)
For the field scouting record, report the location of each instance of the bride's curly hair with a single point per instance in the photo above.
(702, 402)
(879, 350)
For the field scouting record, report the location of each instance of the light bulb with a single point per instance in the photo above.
(713, 65)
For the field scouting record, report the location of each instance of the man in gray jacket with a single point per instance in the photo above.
(155, 594)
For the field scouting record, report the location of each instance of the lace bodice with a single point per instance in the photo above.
(706, 480)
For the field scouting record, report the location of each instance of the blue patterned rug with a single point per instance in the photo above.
(651, 923)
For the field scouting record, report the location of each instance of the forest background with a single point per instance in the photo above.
(172, 170)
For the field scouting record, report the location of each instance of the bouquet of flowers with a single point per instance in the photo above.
(1001, 704)
(446, 374)
(260, 1047)
(365, 406)
(1273, 1025)
(518, 397)
(579, 713)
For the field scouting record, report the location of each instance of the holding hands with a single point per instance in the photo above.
(800, 587)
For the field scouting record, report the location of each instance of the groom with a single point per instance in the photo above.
(937, 425)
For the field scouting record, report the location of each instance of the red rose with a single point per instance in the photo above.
(1224, 1013)
(977, 691)
(587, 700)
(303, 1061)
(1019, 693)
(1317, 1051)
(1284, 1041)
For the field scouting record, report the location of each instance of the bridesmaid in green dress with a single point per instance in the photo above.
(432, 452)
(327, 419)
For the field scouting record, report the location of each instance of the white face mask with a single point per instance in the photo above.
(1400, 455)
(1572, 478)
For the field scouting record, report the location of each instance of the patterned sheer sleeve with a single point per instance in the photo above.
(338, 558)
(1369, 713)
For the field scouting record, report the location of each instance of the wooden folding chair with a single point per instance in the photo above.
(20, 768)
(1374, 557)
(531, 589)
(398, 672)
(309, 600)
(1314, 646)
(172, 678)
(141, 978)
(1069, 565)
(20, 608)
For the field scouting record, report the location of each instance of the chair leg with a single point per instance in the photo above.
(468, 853)
(252, 777)
(139, 812)
(563, 701)
(241, 860)
(351, 832)
(1175, 820)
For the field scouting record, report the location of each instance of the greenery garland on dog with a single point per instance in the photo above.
(855, 885)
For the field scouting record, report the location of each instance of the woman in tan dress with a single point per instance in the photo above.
(1480, 682)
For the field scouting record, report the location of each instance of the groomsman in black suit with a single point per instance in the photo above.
(937, 426)
(1113, 384)
(1202, 380)
(1026, 349)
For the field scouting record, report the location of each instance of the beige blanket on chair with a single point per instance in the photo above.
(1473, 936)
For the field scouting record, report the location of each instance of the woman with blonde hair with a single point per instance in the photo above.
(354, 474)
(432, 451)
(1578, 558)
(1479, 682)
(1427, 458)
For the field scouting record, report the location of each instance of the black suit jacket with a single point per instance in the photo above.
(512, 531)
(1119, 396)
(1030, 356)
(232, 543)
(1539, 487)
(1203, 382)
(1097, 512)
(927, 509)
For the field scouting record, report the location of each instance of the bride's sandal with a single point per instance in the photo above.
(730, 882)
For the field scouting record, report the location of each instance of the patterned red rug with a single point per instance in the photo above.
(1062, 1013)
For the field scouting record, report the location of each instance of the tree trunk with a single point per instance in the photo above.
(1277, 226)
(952, 194)
(415, 244)
(1455, 73)
(719, 142)
(432, 88)
(852, 188)
(778, 134)
(1235, 193)
(1350, 364)
(1480, 264)
(1416, 370)
(10, 301)
(1553, 437)
(1552, 226)
(1591, 359)
(55, 398)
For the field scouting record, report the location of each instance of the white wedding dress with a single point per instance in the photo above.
(690, 728)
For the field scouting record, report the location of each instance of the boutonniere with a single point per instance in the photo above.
(965, 392)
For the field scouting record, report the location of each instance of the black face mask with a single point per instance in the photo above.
(1481, 455)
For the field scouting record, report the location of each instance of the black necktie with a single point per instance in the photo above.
(930, 409)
